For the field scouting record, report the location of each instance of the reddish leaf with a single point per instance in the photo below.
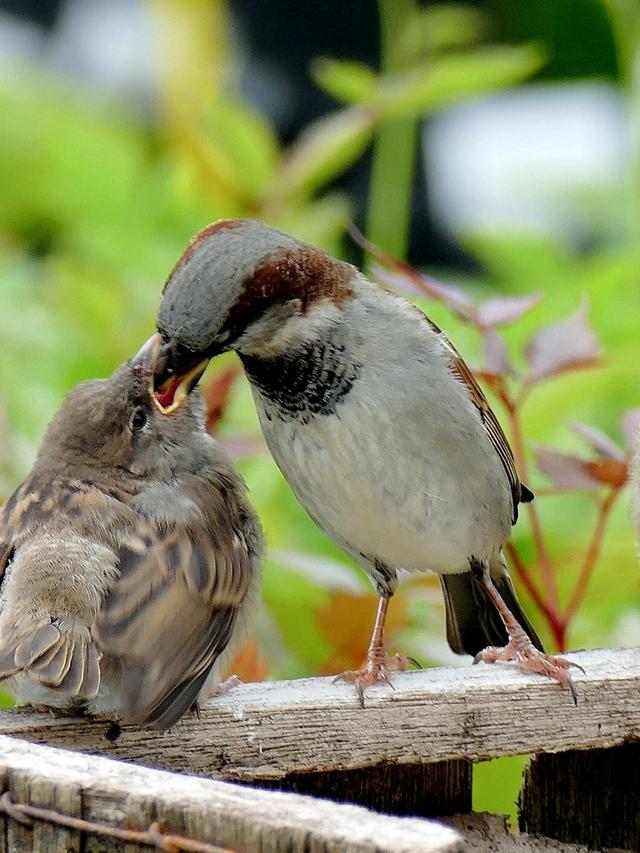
(406, 278)
(346, 623)
(411, 281)
(396, 281)
(216, 395)
(496, 357)
(505, 309)
(609, 472)
(564, 346)
(631, 427)
(565, 470)
(248, 664)
(601, 443)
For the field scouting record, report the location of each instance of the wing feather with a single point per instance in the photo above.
(172, 611)
(490, 422)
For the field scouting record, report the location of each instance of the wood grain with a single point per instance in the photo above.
(233, 816)
(273, 729)
(489, 833)
(589, 797)
(418, 790)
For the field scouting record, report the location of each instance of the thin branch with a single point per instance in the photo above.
(152, 837)
(591, 556)
(523, 574)
(548, 571)
(394, 153)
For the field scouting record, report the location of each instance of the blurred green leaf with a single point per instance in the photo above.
(322, 222)
(71, 174)
(496, 785)
(245, 145)
(324, 150)
(450, 78)
(5, 700)
(350, 82)
(294, 601)
(437, 28)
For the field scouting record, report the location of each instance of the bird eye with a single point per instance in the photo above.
(138, 420)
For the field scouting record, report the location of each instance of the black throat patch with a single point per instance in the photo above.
(311, 380)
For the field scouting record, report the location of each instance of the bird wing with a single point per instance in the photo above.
(55, 650)
(6, 545)
(173, 608)
(460, 370)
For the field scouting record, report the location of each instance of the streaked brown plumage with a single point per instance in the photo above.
(128, 556)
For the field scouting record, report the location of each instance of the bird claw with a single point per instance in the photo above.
(376, 671)
(527, 657)
(220, 689)
(225, 686)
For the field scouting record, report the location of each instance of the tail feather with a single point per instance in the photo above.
(8, 663)
(91, 676)
(64, 660)
(473, 623)
(36, 645)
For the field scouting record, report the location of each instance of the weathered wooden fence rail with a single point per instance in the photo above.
(409, 752)
(231, 817)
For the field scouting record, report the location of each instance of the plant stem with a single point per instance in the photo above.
(591, 556)
(390, 190)
(624, 16)
(548, 572)
(527, 582)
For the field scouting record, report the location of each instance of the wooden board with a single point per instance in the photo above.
(235, 817)
(271, 730)
(588, 797)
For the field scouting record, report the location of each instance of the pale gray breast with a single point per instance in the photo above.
(394, 459)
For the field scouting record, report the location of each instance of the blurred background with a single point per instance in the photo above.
(494, 145)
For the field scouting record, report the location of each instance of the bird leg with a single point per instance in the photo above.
(520, 648)
(379, 664)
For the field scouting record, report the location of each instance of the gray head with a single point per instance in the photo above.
(112, 431)
(238, 284)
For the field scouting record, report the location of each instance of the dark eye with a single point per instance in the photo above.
(139, 419)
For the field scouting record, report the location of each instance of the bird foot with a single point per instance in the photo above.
(521, 650)
(225, 686)
(376, 671)
(220, 689)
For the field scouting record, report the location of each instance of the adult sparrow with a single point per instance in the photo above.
(373, 418)
(128, 557)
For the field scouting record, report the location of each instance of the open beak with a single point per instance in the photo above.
(174, 388)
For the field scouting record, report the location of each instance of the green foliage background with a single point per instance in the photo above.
(97, 204)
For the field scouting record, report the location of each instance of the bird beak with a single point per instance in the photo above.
(173, 388)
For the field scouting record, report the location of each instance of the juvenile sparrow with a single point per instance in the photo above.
(128, 557)
(373, 418)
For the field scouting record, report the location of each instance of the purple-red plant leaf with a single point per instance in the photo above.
(413, 282)
(565, 470)
(505, 309)
(630, 427)
(561, 347)
(407, 279)
(601, 443)
(396, 281)
(217, 393)
(496, 357)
